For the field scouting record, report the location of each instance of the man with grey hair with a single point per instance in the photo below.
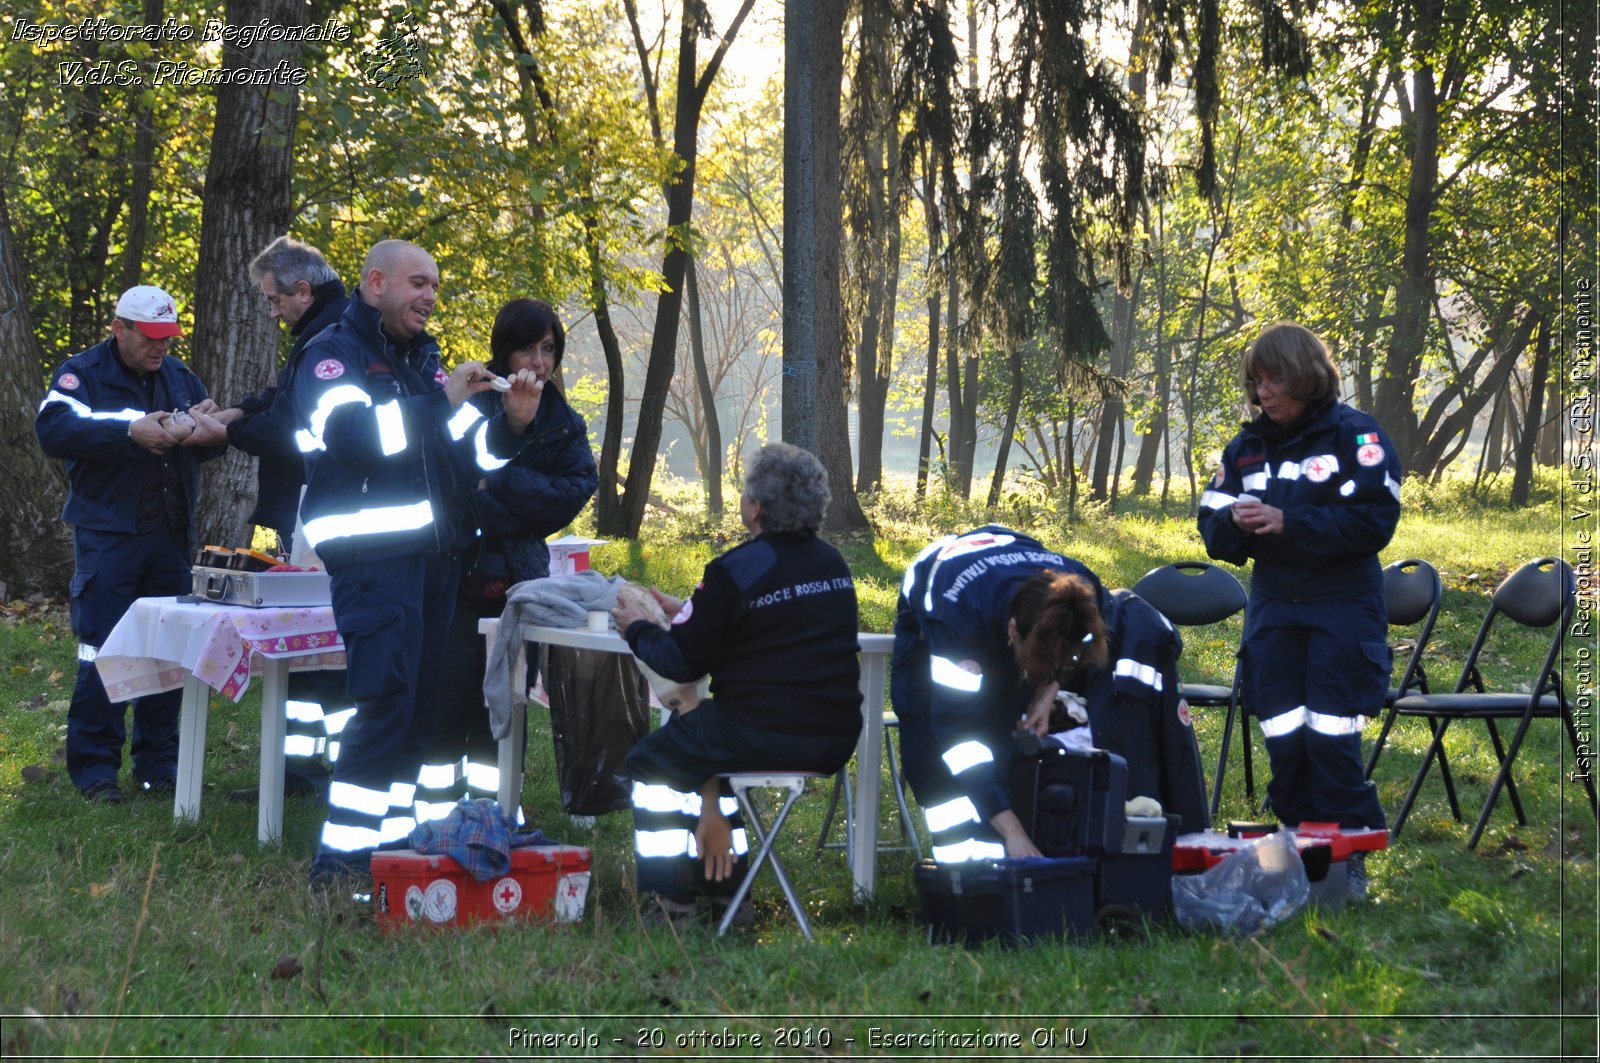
(304, 294)
(774, 624)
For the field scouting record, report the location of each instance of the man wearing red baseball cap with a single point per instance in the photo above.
(133, 474)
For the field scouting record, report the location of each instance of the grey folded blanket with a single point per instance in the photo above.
(555, 601)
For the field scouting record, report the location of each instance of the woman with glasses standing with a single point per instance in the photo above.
(1310, 491)
(995, 633)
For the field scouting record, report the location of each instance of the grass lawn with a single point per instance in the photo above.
(126, 935)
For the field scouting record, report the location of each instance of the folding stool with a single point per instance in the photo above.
(765, 848)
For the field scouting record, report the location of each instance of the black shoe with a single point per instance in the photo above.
(165, 786)
(743, 919)
(104, 792)
(342, 880)
(659, 910)
(293, 786)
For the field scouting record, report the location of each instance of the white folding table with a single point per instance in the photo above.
(163, 643)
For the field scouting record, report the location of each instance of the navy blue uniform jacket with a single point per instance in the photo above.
(1337, 479)
(84, 420)
(543, 490)
(390, 465)
(774, 623)
(267, 428)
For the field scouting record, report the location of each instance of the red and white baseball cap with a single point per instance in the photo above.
(151, 310)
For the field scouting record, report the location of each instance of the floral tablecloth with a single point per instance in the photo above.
(160, 640)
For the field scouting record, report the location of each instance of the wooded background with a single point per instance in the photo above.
(1026, 241)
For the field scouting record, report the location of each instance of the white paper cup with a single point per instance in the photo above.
(599, 620)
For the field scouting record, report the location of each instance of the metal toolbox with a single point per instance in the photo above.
(267, 590)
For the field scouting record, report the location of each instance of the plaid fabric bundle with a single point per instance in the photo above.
(476, 834)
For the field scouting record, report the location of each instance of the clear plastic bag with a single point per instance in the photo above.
(1253, 889)
(599, 707)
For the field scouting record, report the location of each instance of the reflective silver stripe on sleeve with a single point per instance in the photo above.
(463, 420)
(1256, 481)
(911, 569)
(391, 428)
(1141, 673)
(1393, 485)
(1347, 489)
(78, 407)
(1217, 500)
(487, 460)
(657, 797)
(309, 439)
(948, 673)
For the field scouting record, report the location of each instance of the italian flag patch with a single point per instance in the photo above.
(1370, 437)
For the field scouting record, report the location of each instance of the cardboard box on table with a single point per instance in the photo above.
(569, 554)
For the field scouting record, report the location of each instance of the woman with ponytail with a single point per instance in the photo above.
(995, 634)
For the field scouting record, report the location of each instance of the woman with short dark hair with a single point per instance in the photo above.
(541, 491)
(1310, 492)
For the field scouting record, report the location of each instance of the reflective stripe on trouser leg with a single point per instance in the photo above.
(440, 785)
(361, 819)
(958, 834)
(304, 736)
(664, 820)
(482, 780)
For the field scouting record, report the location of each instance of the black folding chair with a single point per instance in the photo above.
(1540, 594)
(1191, 594)
(1411, 592)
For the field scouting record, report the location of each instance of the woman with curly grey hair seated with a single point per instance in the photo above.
(774, 624)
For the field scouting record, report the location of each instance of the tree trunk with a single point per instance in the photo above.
(814, 414)
(1442, 436)
(86, 226)
(878, 245)
(711, 466)
(1013, 404)
(690, 96)
(144, 151)
(35, 546)
(930, 394)
(1393, 400)
(235, 343)
(608, 502)
(1522, 481)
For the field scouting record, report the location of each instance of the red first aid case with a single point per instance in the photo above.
(546, 882)
(1323, 848)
